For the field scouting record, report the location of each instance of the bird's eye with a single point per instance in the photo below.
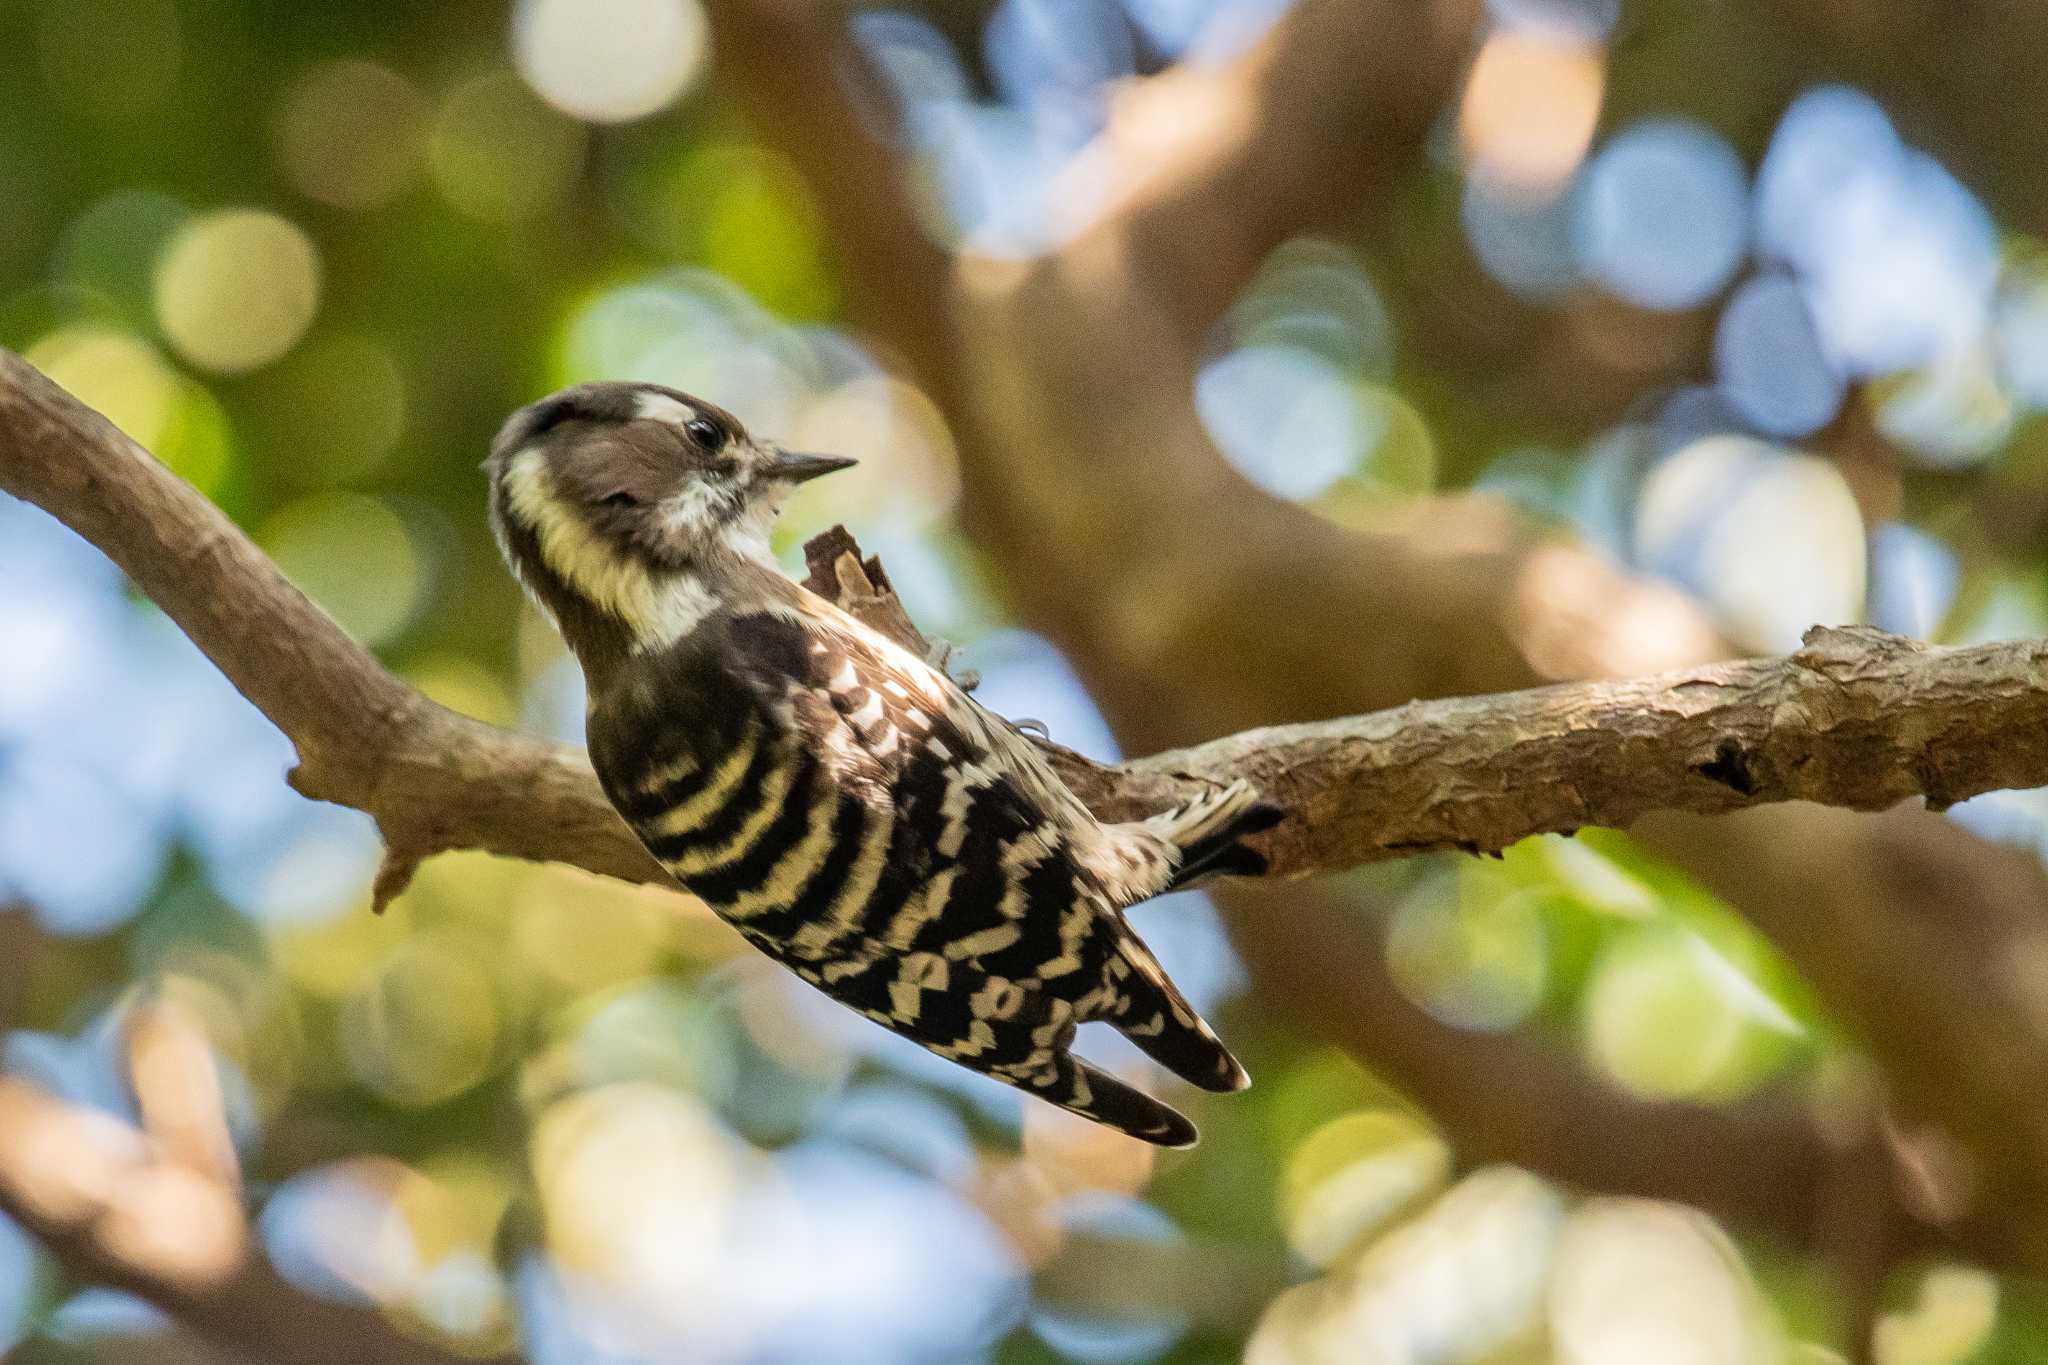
(709, 435)
(618, 500)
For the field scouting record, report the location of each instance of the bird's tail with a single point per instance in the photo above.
(1210, 832)
(1188, 844)
(1150, 1011)
(1093, 1093)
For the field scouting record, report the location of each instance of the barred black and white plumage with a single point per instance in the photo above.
(852, 812)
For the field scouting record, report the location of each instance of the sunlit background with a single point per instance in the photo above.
(310, 255)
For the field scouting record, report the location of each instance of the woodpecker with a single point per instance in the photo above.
(841, 802)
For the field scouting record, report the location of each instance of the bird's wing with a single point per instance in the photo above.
(978, 864)
(975, 927)
(1131, 861)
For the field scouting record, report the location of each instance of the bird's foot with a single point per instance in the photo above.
(940, 656)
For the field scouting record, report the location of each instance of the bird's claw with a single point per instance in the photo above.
(940, 656)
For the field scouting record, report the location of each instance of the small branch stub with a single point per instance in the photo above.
(394, 875)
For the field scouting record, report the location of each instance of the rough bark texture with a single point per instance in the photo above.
(1857, 719)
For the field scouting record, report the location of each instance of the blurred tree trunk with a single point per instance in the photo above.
(1194, 605)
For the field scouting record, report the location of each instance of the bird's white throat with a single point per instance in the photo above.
(657, 607)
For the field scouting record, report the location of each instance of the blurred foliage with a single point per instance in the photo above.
(312, 255)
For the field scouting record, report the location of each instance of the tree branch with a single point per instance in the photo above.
(364, 738)
(1857, 719)
(435, 780)
(113, 1211)
(156, 1211)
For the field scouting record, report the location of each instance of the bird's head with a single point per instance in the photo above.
(614, 503)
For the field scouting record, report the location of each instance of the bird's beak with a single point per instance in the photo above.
(799, 467)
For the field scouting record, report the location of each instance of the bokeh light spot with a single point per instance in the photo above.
(1953, 414)
(313, 871)
(74, 844)
(1769, 362)
(1457, 1282)
(919, 63)
(638, 1182)
(908, 475)
(1354, 1174)
(1095, 1337)
(1898, 258)
(1640, 1281)
(112, 248)
(1662, 214)
(352, 133)
(1023, 674)
(336, 405)
(129, 382)
(1770, 540)
(120, 375)
(93, 1315)
(653, 1030)
(1524, 243)
(1949, 1322)
(1289, 420)
(18, 1287)
(692, 330)
(2021, 325)
(501, 155)
(1529, 109)
(1582, 20)
(1668, 1016)
(1079, 1157)
(463, 686)
(1058, 53)
(1403, 456)
(342, 1230)
(425, 1026)
(609, 61)
(750, 218)
(197, 444)
(1319, 297)
(236, 289)
(580, 932)
(1913, 580)
(996, 178)
(353, 555)
(1590, 877)
(1469, 950)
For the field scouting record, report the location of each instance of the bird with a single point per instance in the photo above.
(840, 801)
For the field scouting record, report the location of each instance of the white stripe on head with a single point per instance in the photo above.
(701, 510)
(656, 608)
(659, 407)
